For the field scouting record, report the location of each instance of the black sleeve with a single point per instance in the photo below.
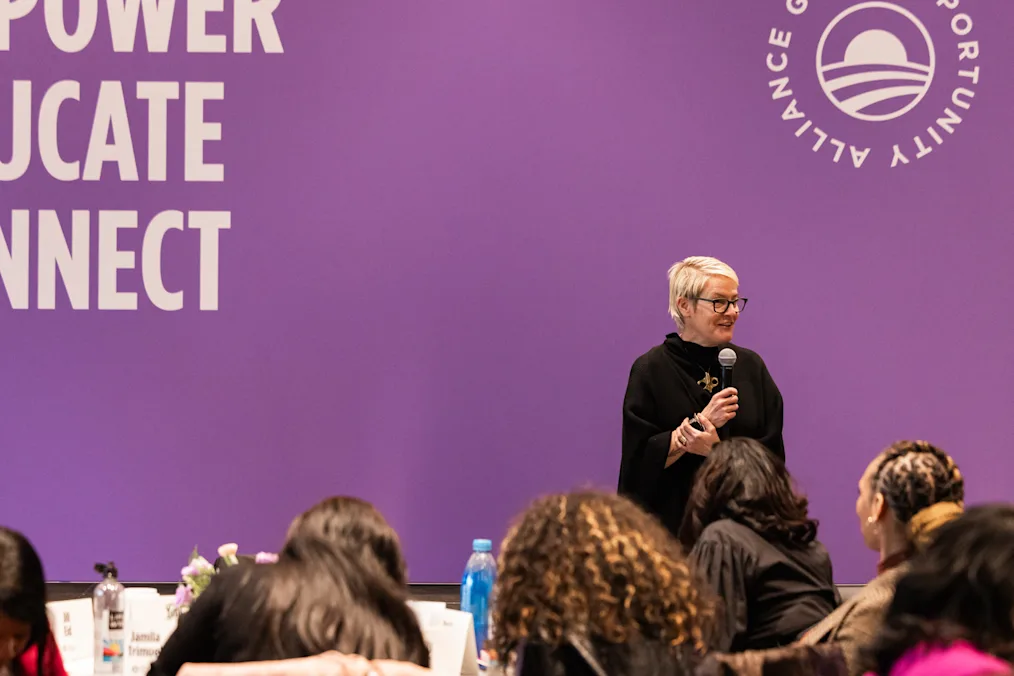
(725, 568)
(774, 415)
(645, 443)
(195, 637)
(836, 599)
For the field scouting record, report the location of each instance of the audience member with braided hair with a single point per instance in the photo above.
(591, 584)
(753, 542)
(953, 611)
(905, 493)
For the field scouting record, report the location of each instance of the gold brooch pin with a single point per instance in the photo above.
(708, 382)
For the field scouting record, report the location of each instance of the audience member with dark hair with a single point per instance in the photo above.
(356, 526)
(318, 598)
(752, 541)
(905, 494)
(321, 595)
(27, 646)
(953, 611)
(590, 584)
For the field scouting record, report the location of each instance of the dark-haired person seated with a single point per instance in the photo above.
(338, 585)
(351, 524)
(27, 646)
(356, 527)
(591, 585)
(953, 611)
(751, 539)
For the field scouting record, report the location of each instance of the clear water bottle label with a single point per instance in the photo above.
(112, 651)
(112, 641)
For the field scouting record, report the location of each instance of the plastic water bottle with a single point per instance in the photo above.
(477, 588)
(108, 603)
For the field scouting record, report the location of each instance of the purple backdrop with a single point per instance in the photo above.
(450, 226)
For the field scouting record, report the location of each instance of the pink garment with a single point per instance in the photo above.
(52, 661)
(958, 659)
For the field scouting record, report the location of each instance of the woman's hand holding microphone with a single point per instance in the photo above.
(722, 407)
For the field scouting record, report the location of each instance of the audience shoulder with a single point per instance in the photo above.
(727, 532)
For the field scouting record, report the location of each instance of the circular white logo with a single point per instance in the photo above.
(875, 74)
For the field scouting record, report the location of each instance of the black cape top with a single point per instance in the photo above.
(770, 592)
(666, 386)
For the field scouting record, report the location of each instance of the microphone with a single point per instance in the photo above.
(727, 358)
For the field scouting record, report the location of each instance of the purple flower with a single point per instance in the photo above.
(189, 571)
(266, 557)
(183, 596)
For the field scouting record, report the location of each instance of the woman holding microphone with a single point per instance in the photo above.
(673, 410)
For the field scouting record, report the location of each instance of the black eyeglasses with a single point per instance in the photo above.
(722, 305)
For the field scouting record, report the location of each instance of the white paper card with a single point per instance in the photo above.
(73, 627)
(422, 607)
(80, 667)
(148, 621)
(450, 635)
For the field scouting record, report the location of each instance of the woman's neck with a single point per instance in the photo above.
(691, 337)
(893, 546)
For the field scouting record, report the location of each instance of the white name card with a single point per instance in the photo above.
(450, 635)
(73, 626)
(149, 619)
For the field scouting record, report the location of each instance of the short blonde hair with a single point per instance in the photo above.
(688, 278)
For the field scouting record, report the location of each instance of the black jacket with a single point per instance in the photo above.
(665, 387)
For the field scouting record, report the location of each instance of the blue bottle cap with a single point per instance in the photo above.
(482, 545)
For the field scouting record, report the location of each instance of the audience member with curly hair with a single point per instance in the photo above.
(905, 494)
(591, 584)
(752, 541)
(953, 611)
